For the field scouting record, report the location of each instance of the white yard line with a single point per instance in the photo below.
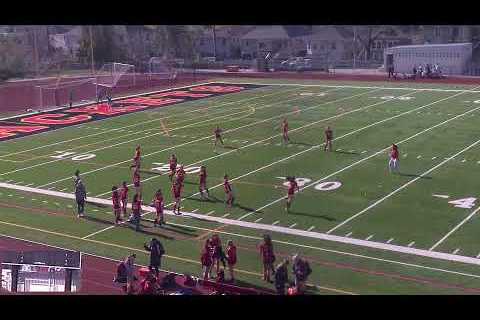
(403, 186)
(186, 143)
(455, 229)
(209, 213)
(258, 220)
(411, 244)
(309, 229)
(389, 240)
(359, 87)
(364, 159)
(369, 237)
(348, 234)
(272, 228)
(269, 138)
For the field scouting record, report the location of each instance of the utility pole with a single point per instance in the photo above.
(35, 51)
(91, 50)
(354, 45)
(214, 43)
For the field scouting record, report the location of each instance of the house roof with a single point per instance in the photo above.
(326, 33)
(467, 44)
(270, 33)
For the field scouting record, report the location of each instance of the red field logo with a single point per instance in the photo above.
(21, 126)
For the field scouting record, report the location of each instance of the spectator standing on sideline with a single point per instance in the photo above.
(156, 250)
(301, 270)
(136, 211)
(231, 258)
(281, 277)
(414, 72)
(71, 98)
(80, 195)
(217, 253)
(268, 257)
(130, 272)
(206, 259)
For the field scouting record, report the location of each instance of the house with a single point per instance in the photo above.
(227, 45)
(68, 43)
(328, 43)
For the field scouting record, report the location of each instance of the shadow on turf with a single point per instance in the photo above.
(303, 144)
(313, 215)
(347, 152)
(93, 219)
(412, 175)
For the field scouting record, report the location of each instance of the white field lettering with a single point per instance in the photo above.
(142, 123)
(371, 156)
(197, 140)
(274, 136)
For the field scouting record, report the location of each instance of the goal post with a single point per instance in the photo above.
(116, 74)
(65, 92)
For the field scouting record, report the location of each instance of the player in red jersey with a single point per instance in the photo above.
(136, 158)
(124, 198)
(228, 192)
(158, 204)
(177, 195)
(180, 175)
(286, 139)
(136, 181)
(328, 139)
(136, 211)
(394, 154)
(293, 186)
(203, 182)
(116, 204)
(173, 166)
(218, 137)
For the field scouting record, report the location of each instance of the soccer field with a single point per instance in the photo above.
(364, 230)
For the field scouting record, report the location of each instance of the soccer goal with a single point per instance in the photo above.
(65, 92)
(161, 69)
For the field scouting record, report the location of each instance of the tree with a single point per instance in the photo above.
(366, 36)
(12, 59)
(105, 45)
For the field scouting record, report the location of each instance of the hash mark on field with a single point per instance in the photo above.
(96, 210)
(311, 228)
(351, 150)
(348, 234)
(225, 215)
(45, 201)
(441, 196)
(434, 158)
(456, 251)
(209, 213)
(275, 222)
(258, 220)
(68, 206)
(390, 240)
(266, 144)
(369, 237)
(58, 204)
(10, 195)
(478, 162)
(194, 210)
(418, 157)
(19, 182)
(364, 151)
(33, 199)
(405, 155)
(464, 160)
(51, 188)
(411, 243)
(30, 184)
(338, 150)
(278, 144)
(64, 189)
(478, 256)
(293, 225)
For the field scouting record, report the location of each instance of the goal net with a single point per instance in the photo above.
(64, 91)
(115, 74)
(161, 69)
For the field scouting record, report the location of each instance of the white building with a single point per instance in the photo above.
(452, 58)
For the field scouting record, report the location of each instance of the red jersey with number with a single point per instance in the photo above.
(176, 190)
(158, 202)
(231, 255)
(203, 177)
(180, 176)
(136, 207)
(124, 193)
(394, 154)
(227, 187)
(136, 179)
(137, 155)
(267, 253)
(292, 187)
(329, 134)
(173, 164)
(115, 200)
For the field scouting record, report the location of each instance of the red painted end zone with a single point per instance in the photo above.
(21, 126)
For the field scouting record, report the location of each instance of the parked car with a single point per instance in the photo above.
(296, 64)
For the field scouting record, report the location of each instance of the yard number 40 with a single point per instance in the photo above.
(466, 203)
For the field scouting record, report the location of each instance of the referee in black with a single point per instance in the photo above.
(80, 194)
(156, 250)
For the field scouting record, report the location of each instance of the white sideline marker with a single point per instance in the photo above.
(293, 225)
(258, 220)
(348, 234)
(464, 160)
(275, 222)
(456, 251)
(194, 210)
(364, 151)
(369, 237)
(30, 184)
(225, 215)
(389, 240)
(311, 228)
(411, 244)
(64, 189)
(443, 196)
(434, 158)
(478, 256)
(418, 157)
(209, 213)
